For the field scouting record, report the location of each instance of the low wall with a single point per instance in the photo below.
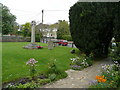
(14, 39)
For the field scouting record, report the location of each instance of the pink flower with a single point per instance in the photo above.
(31, 62)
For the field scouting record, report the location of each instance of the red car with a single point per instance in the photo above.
(63, 42)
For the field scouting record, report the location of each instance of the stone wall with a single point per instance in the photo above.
(14, 39)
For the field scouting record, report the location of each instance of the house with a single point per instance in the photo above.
(47, 30)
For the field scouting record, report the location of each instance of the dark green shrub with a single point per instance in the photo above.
(92, 24)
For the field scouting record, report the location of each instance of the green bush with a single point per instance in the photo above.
(67, 37)
(115, 54)
(54, 73)
(52, 77)
(27, 85)
(52, 68)
(61, 76)
(43, 81)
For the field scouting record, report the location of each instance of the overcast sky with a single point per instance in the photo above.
(28, 10)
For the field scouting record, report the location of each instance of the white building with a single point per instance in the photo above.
(47, 31)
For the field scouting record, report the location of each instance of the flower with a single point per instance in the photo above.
(111, 82)
(75, 67)
(115, 61)
(101, 78)
(73, 59)
(31, 62)
(97, 77)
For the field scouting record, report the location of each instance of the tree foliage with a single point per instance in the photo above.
(93, 24)
(63, 29)
(15, 29)
(26, 29)
(8, 20)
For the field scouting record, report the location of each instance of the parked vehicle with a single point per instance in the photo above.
(63, 42)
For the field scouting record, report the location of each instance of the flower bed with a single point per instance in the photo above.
(110, 77)
(78, 63)
(52, 74)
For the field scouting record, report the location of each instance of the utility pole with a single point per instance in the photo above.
(42, 25)
(42, 15)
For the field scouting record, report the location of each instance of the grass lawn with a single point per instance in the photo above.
(14, 59)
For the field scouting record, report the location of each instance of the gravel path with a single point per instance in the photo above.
(80, 79)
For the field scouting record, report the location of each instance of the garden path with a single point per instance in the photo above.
(80, 79)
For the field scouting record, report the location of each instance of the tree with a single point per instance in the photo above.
(92, 26)
(15, 29)
(117, 23)
(8, 20)
(26, 29)
(63, 29)
(0, 18)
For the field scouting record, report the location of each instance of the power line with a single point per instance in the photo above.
(21, 10)
(56, 10)
(34, 12)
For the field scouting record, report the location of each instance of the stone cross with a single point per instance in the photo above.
(33, 23)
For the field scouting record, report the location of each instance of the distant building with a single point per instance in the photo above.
(47, 31)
